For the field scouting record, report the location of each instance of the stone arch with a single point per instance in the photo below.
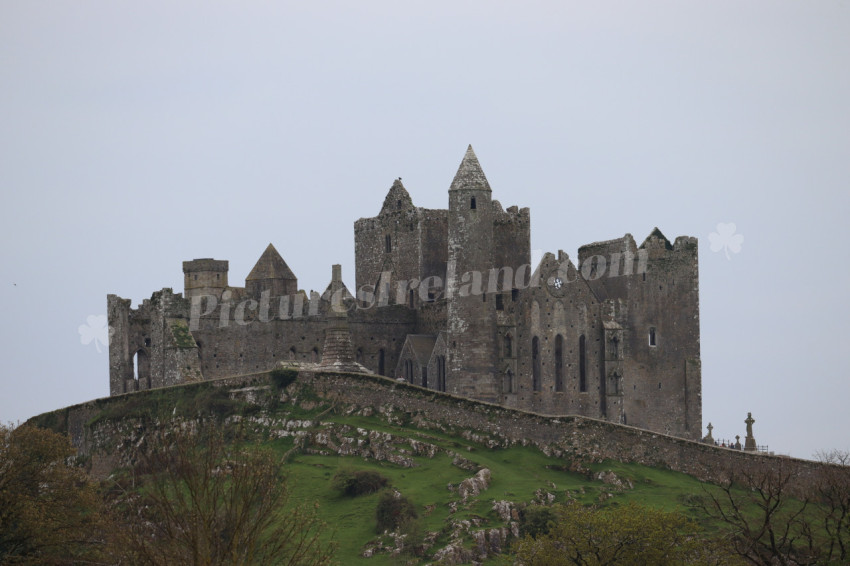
(142, 369)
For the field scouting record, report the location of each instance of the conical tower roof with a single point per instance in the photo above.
(270, 266)
(397, 198)
(469, 175)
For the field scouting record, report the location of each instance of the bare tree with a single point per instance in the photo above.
(832, 493)
(768, 522)
(202, 502)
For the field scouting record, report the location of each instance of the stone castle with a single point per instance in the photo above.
(447, 300)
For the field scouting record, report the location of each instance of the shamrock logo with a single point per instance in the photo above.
(726, 239)
(95, 330)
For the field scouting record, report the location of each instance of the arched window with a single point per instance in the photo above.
(292, 353)
(441, 373)
(388, 243)
(408, 371)
(410, 299)
(509, 381)
(509, 346)
(472, 203)
(582, 365)
(142, 370)
(535, 364)
(559, 363)
(381, 362)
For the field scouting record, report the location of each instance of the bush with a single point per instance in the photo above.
(281, 378)
(395, 512)
(536, 520)
(359, 482)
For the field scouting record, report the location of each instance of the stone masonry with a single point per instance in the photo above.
(447, 300)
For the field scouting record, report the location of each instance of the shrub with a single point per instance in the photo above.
(536, 520)
(395, 512)
(359, 482)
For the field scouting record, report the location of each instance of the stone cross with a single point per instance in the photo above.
(749, 441)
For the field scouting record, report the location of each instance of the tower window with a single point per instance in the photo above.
(559, 363)
(472, 203)
(652, 336)
(535, 364)
(381, 362)
(509, 350)
(582, 365)
(500, 303)
(388, 243)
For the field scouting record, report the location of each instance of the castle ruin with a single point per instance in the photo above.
(447, 300)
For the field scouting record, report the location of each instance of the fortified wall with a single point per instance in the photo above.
(447, 300)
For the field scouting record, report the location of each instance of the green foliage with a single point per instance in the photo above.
(395, 512)
(282, 377)
(359, 482)
(49, 511)
(205, 502)
(182, 337)
(536, 520)
(631, 535)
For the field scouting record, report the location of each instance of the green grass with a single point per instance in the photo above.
(518, 473)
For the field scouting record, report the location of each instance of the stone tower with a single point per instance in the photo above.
(204, 277)
(471, 317)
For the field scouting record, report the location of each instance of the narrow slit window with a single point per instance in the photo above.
(652, 336)
(582, 365)
(472, 203)
(388, 243)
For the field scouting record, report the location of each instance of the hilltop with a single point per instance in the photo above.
(470, 468)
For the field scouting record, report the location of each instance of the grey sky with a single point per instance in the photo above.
(134, 136)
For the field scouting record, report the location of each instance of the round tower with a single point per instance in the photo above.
(471, 313)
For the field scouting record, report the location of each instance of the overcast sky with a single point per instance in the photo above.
(137, 135)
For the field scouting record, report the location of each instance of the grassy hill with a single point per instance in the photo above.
(424, 455)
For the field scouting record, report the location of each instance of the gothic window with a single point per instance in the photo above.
(410, 299)
(441, 373)
(425, 377)
(535, 364)
(652, 336)
(615, 347)
(381, 362)
(142, 369)
(472, 203)
(388, 243)
(509, 381)
(582, 365)
(408, 371)
(509, 346)
(559, 363)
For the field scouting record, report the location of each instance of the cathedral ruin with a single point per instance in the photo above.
(446, 300)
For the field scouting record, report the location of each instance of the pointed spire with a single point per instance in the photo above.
(469, 175)
(270, 266)
(397, 198)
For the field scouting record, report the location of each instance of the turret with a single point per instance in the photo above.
(471, 313)
(205, 276)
